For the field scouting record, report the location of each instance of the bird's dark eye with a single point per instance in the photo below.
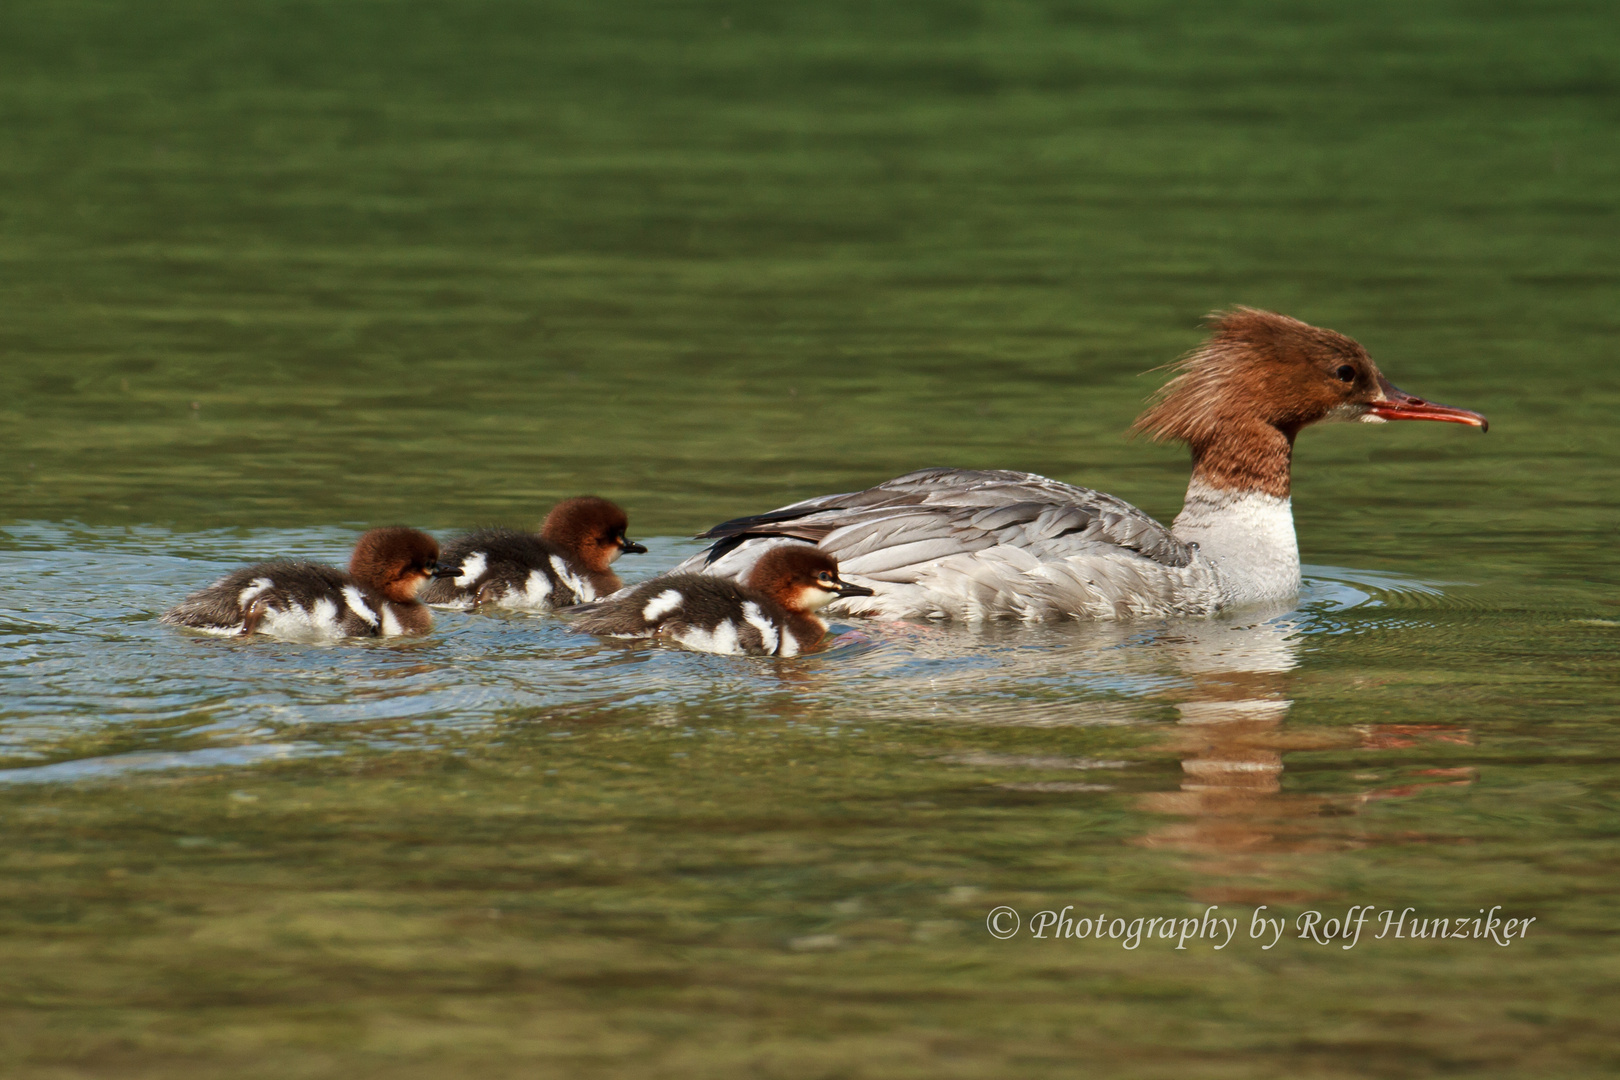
(1346, 373)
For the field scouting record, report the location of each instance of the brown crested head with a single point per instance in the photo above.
(395, 561)
(801, 578)
(591, 529)
(1240, 398)
(1260, 366)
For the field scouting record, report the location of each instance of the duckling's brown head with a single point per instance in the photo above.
(591, 529)
(394, 561)
(801, 578)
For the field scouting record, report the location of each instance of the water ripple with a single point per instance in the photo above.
(85, 655)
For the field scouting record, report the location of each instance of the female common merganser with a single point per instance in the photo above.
(772, 615)
(303, 601)
(958, 543)
(565, 563)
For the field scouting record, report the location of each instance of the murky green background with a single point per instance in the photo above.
(274, 272)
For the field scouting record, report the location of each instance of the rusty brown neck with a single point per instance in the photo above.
(604, 581)
(414, 618)
(1247, 456)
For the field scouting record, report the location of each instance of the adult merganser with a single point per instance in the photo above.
(969, 544)
(773, 614)
(565, 563)
(304, 601)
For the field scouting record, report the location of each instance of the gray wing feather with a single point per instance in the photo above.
(965, 510)
(895, 562)
(950, 543)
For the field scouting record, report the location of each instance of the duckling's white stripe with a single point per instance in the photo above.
(661, 605)
(769, 638)
(582, 589)
(472, 568)
(390, 622)
(318, 622)
(722, 639)
(357, 604)
(258, 586)
(537, 590)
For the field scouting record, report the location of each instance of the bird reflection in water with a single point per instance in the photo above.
(1232, 734)
(1229, 682)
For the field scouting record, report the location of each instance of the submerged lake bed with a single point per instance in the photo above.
(274, 275)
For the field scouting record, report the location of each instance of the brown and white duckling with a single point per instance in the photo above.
(772, 614)
(567, 562)
(305, 601)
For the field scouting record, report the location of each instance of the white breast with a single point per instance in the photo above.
(1249, 539)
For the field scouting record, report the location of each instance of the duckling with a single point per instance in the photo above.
(772, 614)
(305, 601)
(565, 563)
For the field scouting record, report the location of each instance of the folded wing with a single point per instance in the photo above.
(958, 542)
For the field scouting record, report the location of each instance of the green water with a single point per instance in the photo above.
(271, 273)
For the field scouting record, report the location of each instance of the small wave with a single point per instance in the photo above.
(89, 654)
(112, 767)
(1340, 588)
